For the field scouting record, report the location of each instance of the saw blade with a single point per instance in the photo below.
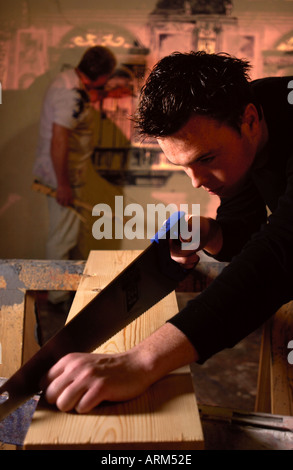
(143, 283)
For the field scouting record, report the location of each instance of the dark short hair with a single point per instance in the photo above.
(97, 61)
(183, 84)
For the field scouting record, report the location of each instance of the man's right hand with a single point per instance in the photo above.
(210, 239)
(64, 195)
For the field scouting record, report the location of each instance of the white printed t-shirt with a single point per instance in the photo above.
(66, 103)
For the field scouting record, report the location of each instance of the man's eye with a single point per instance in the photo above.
(207, 159)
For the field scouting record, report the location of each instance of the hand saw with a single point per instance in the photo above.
(143, 283)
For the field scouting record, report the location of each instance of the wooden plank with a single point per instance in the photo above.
(263, 395)
(11, 337)
(164, 417)
(275, 382)
(281, 370)
(30, 344)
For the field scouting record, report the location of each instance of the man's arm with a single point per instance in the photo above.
(82, 381)
(59, 155)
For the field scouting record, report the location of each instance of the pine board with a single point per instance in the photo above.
(164, 417)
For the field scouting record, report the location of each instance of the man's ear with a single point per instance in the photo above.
(250, 120)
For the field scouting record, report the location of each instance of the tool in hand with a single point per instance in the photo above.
(75, 207)
(143, 283)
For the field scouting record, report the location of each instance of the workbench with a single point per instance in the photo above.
(166, 416)
(20, 279)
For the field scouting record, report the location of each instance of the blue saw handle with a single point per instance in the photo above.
(170, 230)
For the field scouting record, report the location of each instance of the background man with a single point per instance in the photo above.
(66, 144)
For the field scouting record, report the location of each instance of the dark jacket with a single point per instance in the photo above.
(257, 227)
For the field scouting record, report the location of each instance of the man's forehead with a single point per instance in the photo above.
(196, 127)
(181, 152)
(196, 131)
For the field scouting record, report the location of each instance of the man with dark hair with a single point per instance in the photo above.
(213, 85)
(66, 144)
(95, 60)
(232, 137)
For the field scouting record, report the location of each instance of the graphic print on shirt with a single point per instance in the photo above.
(81, 101)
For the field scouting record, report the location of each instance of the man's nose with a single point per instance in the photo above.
(196, 178)
(94, 96)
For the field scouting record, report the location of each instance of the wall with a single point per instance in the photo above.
(39, 38)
